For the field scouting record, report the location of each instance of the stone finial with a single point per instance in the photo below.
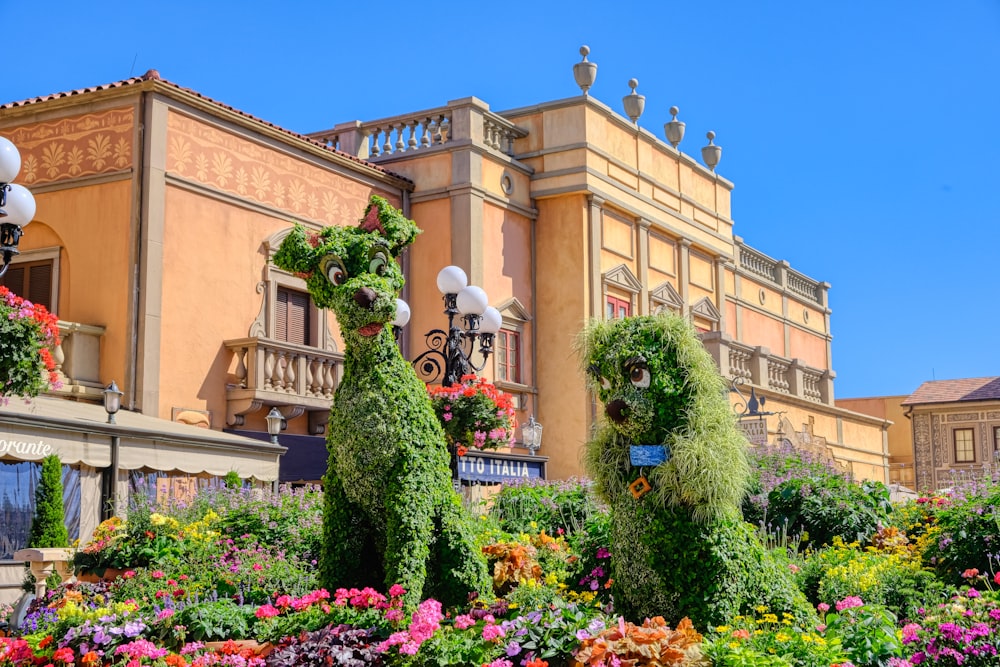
(711, 153)
(674, 129)
(634, 102)
(585, 72)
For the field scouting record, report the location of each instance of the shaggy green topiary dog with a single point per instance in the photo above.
(391, 515)
(672, 466)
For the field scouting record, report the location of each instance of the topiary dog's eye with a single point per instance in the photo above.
(333, 268)
(378, 262)
(605, 383)
(595, 372)
(638, 375)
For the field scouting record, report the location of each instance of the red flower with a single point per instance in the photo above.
(462, 450)
(970, 573)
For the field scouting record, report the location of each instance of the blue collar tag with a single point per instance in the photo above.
(648, 455)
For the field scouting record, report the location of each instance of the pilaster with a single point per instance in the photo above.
(642, 230)
(595, 220)
(685, 276)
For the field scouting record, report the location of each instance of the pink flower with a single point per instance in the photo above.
(157, 574)
(266, 611)
(396, 591)
(447, 416)
(850, 602)
(164, 614)
(493, 632)
(258, 567)
(823, 607)
(464, 621)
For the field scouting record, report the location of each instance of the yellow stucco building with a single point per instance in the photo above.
(158, 211)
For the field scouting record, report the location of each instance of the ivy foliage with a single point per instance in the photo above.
(48, 526)
(682, 548)
(391, 515)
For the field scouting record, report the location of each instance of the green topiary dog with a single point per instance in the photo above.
(391, 515)
(672, 467)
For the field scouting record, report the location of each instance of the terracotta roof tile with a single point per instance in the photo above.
(951, 391)
(153, 75)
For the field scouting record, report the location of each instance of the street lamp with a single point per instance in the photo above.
(275, 421)
(17, 205)
(531, 435)
(449, 354)
(112, 400)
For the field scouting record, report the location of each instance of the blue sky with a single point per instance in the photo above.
(862, 136)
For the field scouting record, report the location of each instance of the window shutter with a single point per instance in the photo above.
(40, 284)
(292, 317)
(298, 318)
(14, 280)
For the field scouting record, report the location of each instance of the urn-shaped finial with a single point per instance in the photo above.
(711, 153)
(634, 102)
(585, 72)
(674, 129)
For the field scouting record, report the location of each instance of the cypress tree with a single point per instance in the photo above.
(48, 526)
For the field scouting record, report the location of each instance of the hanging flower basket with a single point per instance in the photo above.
(28, 332)
(474, 414)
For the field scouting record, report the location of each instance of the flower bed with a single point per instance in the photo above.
(214, 584)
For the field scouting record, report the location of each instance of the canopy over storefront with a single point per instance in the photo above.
(79, 434)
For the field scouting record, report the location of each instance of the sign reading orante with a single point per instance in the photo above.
(25, 448)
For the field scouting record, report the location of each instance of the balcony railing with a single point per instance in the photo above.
(757, 366)
(460, 121)
(78, 361)
(294, 378)
(779, 273)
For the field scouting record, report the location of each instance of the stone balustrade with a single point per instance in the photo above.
(267, 372)
(465, 120)
(758, 367)
(780, 274)
(44, 562)
(78, 361)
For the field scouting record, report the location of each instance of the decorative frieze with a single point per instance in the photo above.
(963, 417)
(923, 451)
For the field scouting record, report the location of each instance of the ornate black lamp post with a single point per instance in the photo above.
(17, 206)
(450, 353)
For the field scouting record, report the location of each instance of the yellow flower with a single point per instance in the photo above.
(722, 628)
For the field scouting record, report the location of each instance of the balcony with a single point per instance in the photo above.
(758, 367)
(780, 275)
(78, 361)
(462, 121)
(296, 379)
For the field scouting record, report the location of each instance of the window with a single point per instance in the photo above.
(617, 308)
(996, 444)
(508, 351)
(18, 483)
(965, 450)
(292, 316)
(31, 280)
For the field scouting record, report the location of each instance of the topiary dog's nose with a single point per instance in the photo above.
(617, 411)
(365, 297)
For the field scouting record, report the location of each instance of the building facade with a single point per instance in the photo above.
(159, 209)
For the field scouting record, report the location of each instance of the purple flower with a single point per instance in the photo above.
(513, 649)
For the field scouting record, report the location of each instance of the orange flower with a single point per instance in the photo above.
(462, 450)
(91, 657)
(45, 642)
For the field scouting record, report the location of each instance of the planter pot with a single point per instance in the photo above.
(109, 574)
(241, 645)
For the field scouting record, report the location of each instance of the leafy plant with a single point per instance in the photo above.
(652, 643)
(474, 413)
(555, 506)
(48, 526)
(217, 620)
(867, 632)
(28, 332)
(342, 645)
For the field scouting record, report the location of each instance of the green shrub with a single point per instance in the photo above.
(48, 526)
(821, 507)
(967, 535)
(553, 506)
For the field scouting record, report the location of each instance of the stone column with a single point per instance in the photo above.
(642, 228)
(721, 262)
(758, 366)
(352, 139)
(684, 271)
(595, 220)
(467, 194)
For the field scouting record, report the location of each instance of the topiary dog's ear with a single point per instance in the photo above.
(296, 254)
(388, 221)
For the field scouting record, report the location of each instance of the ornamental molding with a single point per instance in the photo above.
(621, 276)
(513, 309)
(666, 295)
(922, 451)
(964, 417)
(75, 147)
(706, 309)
